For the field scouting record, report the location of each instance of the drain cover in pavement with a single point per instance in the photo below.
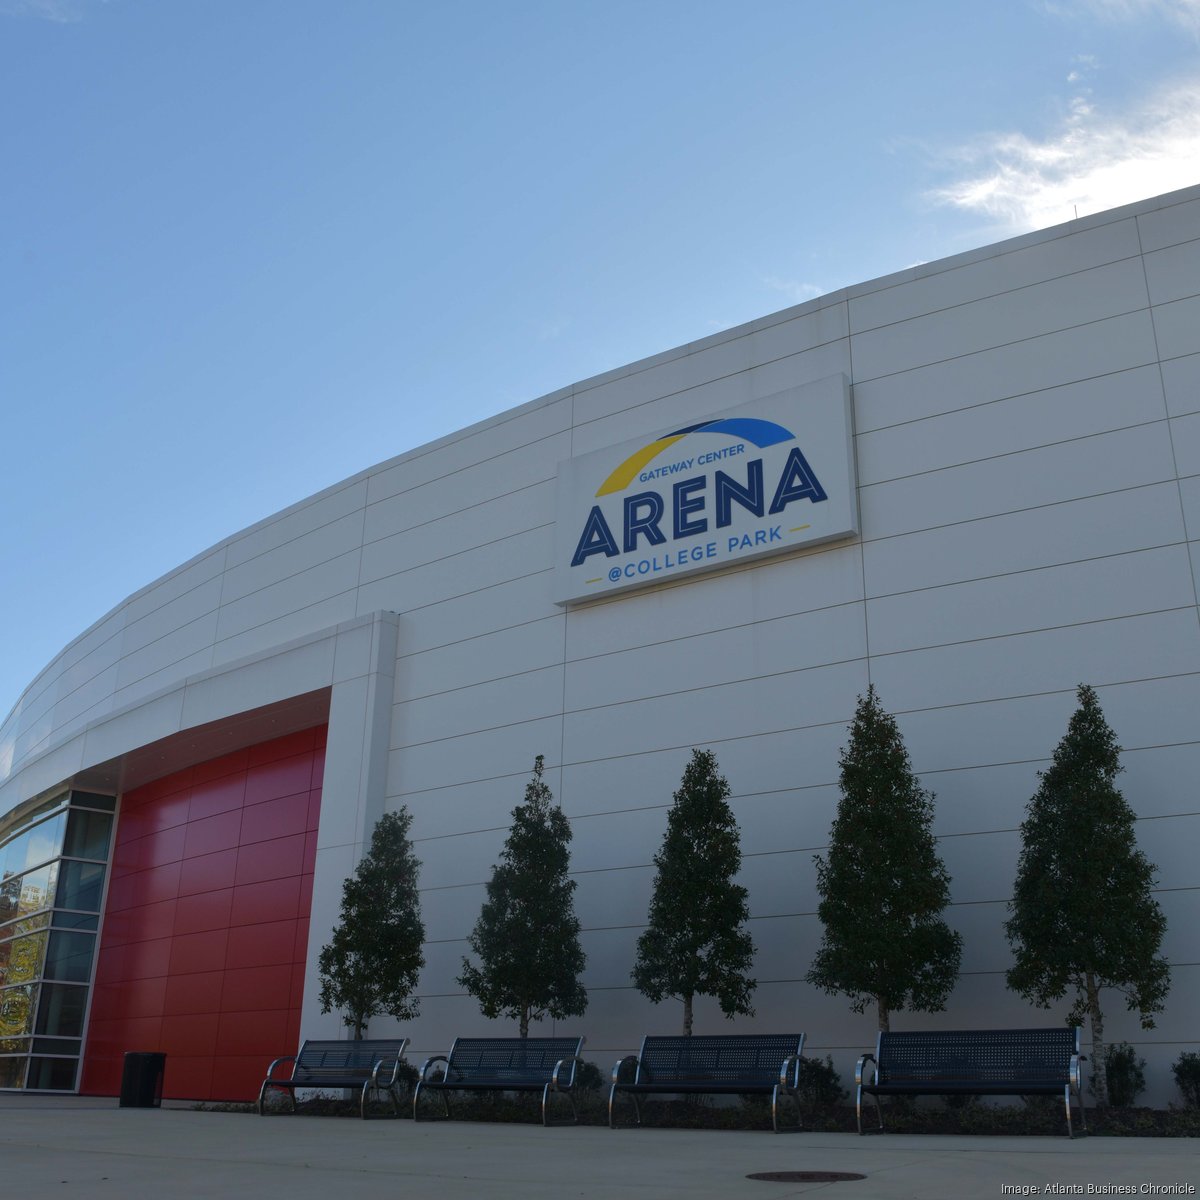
(805, 1176)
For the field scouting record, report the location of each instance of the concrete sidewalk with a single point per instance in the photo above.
(93, 1149)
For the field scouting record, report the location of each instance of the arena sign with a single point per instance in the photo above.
(763, 478)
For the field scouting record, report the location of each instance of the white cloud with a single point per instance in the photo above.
(1183, 13)
(60, 12)
(550, 330)
(1093, 162)
(796, 291)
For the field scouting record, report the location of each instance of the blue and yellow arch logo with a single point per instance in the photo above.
(758, 432)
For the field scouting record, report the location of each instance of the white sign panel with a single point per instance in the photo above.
(766, 477)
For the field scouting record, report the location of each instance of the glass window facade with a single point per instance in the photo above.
(53, 867)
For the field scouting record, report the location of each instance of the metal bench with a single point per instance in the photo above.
(767, 1064)
(992, 1062)
(510, 1064)
(368, 1066)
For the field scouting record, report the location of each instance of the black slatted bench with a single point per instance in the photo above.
(712, 1064)
(974, 1062)
(367, 1066)
(536, 1064)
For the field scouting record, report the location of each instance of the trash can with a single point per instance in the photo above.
(142, 1079)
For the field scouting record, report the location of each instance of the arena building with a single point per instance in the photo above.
(971, 483)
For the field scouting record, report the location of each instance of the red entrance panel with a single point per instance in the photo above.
(205, 931)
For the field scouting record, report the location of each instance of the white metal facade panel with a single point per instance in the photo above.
(1027, 439)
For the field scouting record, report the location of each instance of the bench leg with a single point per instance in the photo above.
(371, 1086)
(417, 1099)
(637, 1108)
(775, 1111)
(262, 1096)
(1067, 1106)
(546, 1092)
(858, 1098)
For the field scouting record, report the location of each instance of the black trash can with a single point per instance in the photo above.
(142, 1079)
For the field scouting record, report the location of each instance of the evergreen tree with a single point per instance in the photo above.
(373, 959)
(883, 887)
(695, 942)
(1083, 917)
(527, 935)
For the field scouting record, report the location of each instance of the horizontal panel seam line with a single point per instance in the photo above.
(1041, 446)
(1078, 381)
(1057, 331)
(1009, 512)
(990, 295)
(763, 676)
(457, 512)
(794, 729)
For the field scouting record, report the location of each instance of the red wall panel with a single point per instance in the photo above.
(206, 924)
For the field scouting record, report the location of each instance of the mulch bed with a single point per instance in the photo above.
(1039, 1117)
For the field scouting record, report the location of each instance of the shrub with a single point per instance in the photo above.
(820, 1084)
(589, 1077)
(1126, 1074)
(1043, 1108)
(1186, 1069)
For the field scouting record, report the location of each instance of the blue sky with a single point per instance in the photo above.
(250, 247)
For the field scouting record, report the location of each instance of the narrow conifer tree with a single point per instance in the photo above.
(883, 887)
(527, 935)
(695, 942)
(374, 956)
(1083, 914)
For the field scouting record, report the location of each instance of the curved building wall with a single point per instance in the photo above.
(1027, 440)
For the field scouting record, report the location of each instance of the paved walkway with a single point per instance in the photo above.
(95, 1150)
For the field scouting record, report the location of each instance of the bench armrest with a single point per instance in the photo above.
(860, 1067)
(287, 1058)
(574, 1061)
(790, 1081)
(429, 1062)
(627, 1065)
(1077, 1061)
(377, 1079)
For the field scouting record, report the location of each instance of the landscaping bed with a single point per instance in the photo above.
(1038, 1117)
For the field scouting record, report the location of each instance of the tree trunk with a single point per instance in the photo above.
(524, 1022)
(359, 1027)
(687, 1015)
(1099, 1049)
(885, 1016)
